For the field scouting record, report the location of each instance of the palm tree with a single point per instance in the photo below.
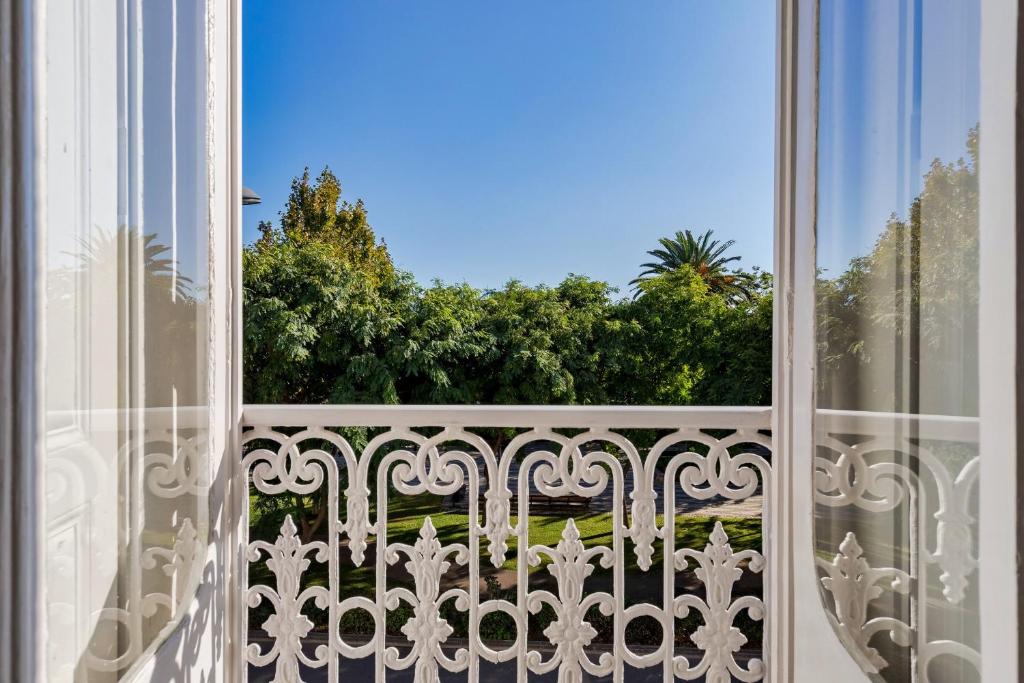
(706, 257)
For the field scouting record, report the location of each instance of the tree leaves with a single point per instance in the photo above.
(328, 319)
(705, 257)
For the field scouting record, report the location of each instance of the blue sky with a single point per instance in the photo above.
(519, 140)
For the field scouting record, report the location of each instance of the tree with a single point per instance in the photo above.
(329, 319)
(707, 259)
(531, 330)
(319, 330)
(591, 349)
(315, 213)
(739, 369)
(174, 312)
(688, 345)
(446, 346)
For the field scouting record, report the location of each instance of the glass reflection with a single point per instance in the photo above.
(127, 328)
(897, 309)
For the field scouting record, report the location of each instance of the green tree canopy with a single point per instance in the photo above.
(329, 319)
(690, 345)
(319, 330)
(548, 342)
(315, 213)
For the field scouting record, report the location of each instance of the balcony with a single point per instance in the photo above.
(628, 575)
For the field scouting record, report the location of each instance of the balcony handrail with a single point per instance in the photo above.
(885, 424)
(484, 416)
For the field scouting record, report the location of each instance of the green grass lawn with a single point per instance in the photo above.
(406, 515)
(405, 519)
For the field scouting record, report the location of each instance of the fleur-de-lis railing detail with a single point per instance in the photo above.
(179, 564)
(288, 625)
(165, 549)
(426, 630)
(718, 568)
(921, 471)
(854, 584)
(570, 633)
(286, 453)
(855, 478)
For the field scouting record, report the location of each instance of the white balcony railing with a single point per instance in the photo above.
(641, 573)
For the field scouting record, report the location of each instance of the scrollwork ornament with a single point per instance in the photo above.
(718, 568)
(570, 633)
(288, 624)
(426, 630)
(596, 463)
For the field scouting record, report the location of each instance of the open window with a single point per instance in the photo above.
(900, 406)
(886, 473)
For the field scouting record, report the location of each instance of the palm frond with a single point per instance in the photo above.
(706, 256)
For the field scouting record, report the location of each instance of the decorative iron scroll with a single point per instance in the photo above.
(499, 488)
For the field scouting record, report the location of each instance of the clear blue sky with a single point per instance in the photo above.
(519, 140)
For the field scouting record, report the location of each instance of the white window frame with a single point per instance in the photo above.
(204, 646)
(21, 204)
(201, 644)
(802, 646)
(1001, 349)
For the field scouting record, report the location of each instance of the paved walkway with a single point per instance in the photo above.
(604, 501)
(363, 669)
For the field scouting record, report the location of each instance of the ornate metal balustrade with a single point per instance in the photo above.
(647, 466)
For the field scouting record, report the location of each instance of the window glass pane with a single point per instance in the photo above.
(126, 328)
(897, 311)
